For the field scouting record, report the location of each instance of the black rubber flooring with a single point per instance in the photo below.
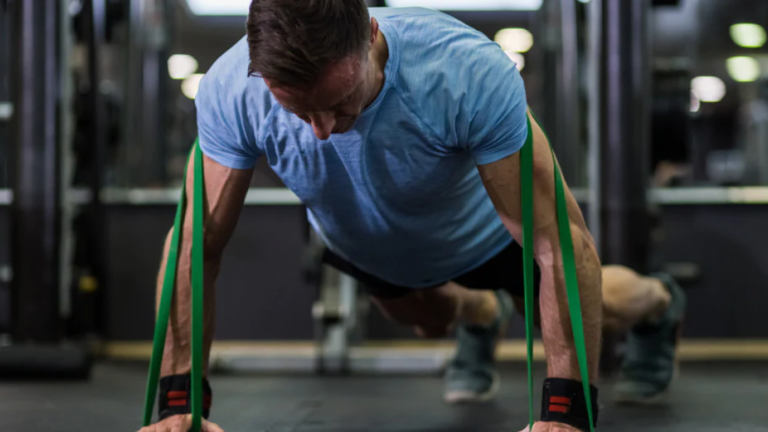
(707, 397)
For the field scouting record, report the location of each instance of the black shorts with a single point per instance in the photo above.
(503, 271)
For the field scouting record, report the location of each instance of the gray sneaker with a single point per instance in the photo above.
(471, 376)
(650, 362)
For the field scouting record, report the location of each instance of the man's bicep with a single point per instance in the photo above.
(502, 182)
(225, 191)
(223, 128)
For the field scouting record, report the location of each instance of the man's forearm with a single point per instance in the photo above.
(557, 332)
(177, 356)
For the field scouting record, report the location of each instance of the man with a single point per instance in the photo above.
(400, 131)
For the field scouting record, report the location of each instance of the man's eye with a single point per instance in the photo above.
(344, 102)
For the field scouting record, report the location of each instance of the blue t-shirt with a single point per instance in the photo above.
(399, 195)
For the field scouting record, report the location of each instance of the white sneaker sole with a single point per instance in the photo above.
(466, 396)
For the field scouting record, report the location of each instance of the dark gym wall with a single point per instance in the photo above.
(262, 294)
(5, 66)
(261, 291)
(5, 260)
(5, 156)
(727, 243)
(4, 167)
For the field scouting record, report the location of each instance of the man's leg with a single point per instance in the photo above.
(434, 312)
(651, 309)
(471, 375)
(480, 318)
(629, 298)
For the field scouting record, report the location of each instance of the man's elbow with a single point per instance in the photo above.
(548, 245)
(584, 248)
(213, 247)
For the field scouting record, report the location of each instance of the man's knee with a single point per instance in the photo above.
(618, 287)
(431, 312)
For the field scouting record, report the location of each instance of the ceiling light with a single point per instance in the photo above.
(219, 7)
(514, 39)
(190, 85)
(743, 69)
(695, 102)
(522, 5)
(748, 35)
(240, 7)
(708, 88)
(181, 66)
(517, 58)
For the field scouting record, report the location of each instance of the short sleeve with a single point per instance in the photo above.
(492, 122)
(221, 126)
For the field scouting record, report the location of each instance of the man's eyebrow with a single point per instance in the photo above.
(344, 99)
(293, 110)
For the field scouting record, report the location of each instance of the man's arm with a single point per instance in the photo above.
(225, 190)
(502, 181)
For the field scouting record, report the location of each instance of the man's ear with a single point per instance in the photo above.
(374, 31)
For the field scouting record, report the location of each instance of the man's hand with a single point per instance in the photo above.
(551, 427)
(180, 423)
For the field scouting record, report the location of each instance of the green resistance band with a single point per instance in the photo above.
(569, 268)
(169, 280)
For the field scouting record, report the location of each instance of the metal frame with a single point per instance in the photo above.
(336, 316)
(706, 196)
(67, 158)
(568, 114)
(756, 195)
(595, 106)
(35, 211)
(255, 196)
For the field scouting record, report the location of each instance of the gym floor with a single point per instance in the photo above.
(709, 396)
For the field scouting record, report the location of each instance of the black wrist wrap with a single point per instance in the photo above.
(176, 393)
(563, 401)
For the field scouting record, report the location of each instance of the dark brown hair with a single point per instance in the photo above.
(291, 42)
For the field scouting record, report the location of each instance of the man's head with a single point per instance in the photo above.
(313, 56)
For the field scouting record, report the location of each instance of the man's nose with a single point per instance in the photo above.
(322, 124)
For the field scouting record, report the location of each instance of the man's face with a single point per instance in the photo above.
(335, 102)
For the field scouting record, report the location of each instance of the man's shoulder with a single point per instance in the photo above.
(435, 48)
(232, 65)
(228, 92)
(229, 101)
(229, 76)
(418, 27)
(401, 13)
(439, 57)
